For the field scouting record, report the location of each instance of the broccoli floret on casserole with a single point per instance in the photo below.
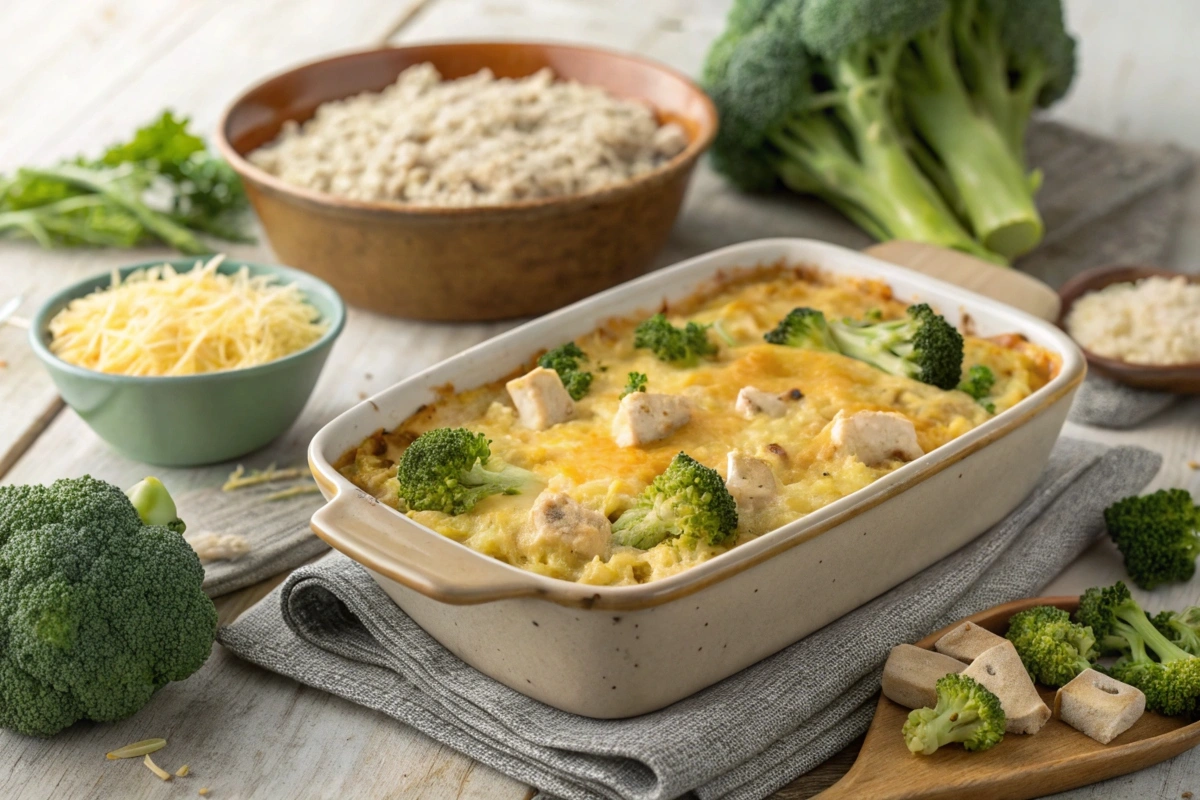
(805, 328)
(445, 470)
(683, 347)
(565, 361)
(978, 383)
(688, 501)
(922, 346)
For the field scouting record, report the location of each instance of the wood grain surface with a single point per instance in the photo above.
(79, 74)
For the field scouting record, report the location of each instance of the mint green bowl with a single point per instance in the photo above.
(190, 420)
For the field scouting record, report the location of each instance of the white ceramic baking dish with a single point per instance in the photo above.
(603, 651)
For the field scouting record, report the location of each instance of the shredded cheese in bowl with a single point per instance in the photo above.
(161, 322)
(1152, 321)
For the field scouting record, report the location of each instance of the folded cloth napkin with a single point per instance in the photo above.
(276, 532)
(331, 627)
(1108, 404)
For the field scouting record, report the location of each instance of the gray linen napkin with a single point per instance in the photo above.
(277, 531)
(331, 627)
(1108, 404)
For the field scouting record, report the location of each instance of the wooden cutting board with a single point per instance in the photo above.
(1055, 759)
(999, 283)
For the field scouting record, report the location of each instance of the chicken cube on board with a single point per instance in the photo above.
(911, 674)
(541, 399)
(1099, 706)
(1000, 671)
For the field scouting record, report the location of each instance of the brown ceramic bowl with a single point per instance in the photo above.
(1181, 378)
(489, 262)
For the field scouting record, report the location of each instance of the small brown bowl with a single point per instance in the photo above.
(488, 262)
(1180, 378)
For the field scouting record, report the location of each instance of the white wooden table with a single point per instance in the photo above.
(76, 74)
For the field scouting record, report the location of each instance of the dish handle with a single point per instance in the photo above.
(383, 541)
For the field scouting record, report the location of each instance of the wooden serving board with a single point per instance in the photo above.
(1055, 759)
(999, 283)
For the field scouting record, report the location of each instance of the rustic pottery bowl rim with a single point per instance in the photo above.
(697, 145)
(1097, 278)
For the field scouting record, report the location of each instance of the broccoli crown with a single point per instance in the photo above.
(1041, 52)
(1053, 648)
(922, 346)
(97, 609)
(565, 361)
(636, 382)
(688, 501)
(443, 470)
(836, 29)
(1182, 627)
(803, 327)
(978, 383)
(683, 347)
(965, 712)
(1158, 536)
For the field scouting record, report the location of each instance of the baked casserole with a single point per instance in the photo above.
(656, 443)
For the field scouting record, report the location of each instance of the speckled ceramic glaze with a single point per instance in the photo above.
(490, 262)
(190, 420)
(621, 651)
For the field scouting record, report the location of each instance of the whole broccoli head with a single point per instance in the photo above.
(444, 470)
(1181, 627)
(1052, 647)
(565, 361)
(966, 712)
(1172, 682)
(688, 501)
(1159, 536)
(922, 346)
(683, 347)
(98, 610)
(979, 382)
(805, 328)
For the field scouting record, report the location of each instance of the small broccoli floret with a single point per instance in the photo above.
(1159, 536)
(98, 610)
(1172, 683)
(979, 382)
(635, 383)
(922, 346)
(154, 504)
(688, 501)
(1052, 647)
(966, 712)
(565, 361)
(444, 470)
(803, 327)
(1182, 627)
(683, 347)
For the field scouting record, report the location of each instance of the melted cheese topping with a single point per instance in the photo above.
(580, 458)
(161, 322)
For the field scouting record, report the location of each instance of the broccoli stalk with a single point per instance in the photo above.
(688, 501)
(987, 178)
(1159, 536)
(445, 470)
(154, 504)
(922, 346)
(1053, 649)
(805, 328)
(683, 347)
(1172, 682)
(565, 361)
(965, 712)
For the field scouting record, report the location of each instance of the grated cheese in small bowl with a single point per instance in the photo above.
(162, 322)
(1151, 321)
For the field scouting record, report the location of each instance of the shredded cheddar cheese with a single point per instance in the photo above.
(159, 322)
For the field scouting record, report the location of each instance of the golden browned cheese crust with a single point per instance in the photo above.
(580, 458)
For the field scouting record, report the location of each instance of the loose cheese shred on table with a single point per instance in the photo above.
(159, 322)
(156, 769)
